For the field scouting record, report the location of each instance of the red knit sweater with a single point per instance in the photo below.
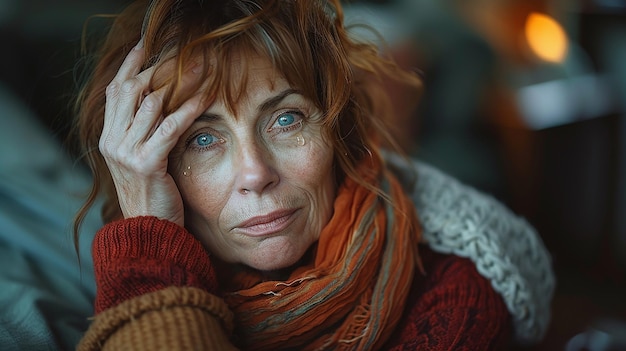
(451, 306)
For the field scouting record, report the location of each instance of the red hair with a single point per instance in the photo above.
(305, 40)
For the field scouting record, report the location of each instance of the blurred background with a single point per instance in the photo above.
(523, 99)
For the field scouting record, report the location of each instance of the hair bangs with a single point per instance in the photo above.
(224, 53)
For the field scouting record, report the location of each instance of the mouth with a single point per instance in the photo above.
(267, 224)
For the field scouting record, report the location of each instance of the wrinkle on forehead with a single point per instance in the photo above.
(247, 72)
(216, 74)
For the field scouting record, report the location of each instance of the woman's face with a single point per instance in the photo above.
(258, 185)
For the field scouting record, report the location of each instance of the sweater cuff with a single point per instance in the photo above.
(176, 318)
(144, 254)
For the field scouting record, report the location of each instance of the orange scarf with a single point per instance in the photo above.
(352, 294)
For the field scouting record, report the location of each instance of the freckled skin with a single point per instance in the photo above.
(254, 166)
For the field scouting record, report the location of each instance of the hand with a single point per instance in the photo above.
(137, 139)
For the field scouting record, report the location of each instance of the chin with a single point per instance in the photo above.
(274, 264)
(277, 257)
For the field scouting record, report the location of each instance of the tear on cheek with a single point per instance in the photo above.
(295, 141)
(300, 140)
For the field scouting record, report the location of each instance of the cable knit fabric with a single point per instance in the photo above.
(505, 248)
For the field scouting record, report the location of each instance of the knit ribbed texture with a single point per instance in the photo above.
(452, 307)
(145, 254)
(176, 318)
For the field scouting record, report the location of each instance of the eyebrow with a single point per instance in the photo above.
(273, 101)
(265, 105)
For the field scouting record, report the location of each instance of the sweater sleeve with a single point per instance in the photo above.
(452, 307)
(156, 289)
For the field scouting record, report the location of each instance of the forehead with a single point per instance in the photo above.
(256, 72)
(251, 79)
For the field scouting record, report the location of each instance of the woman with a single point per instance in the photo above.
(247, 201)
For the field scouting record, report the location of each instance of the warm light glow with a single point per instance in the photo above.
(546, 37)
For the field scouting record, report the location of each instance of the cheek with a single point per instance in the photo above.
(204, 194)
(200, 178)
(311, 161)
(321, 181)
(323, 157)
(314, 169)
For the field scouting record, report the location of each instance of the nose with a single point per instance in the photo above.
(255, 169)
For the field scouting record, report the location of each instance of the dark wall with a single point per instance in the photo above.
(41, 45)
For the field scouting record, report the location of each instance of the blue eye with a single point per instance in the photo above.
(205, 139)
(286, 119)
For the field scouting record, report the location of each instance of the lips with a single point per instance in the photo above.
(266, 225)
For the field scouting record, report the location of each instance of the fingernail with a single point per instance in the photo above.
(139, 44)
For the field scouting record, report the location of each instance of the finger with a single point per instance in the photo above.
(121, 105)
(132, 63)
(173, 126)
(129, 68)
(148, 117)
(124, 97)
(150, 113)
(131, 94)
